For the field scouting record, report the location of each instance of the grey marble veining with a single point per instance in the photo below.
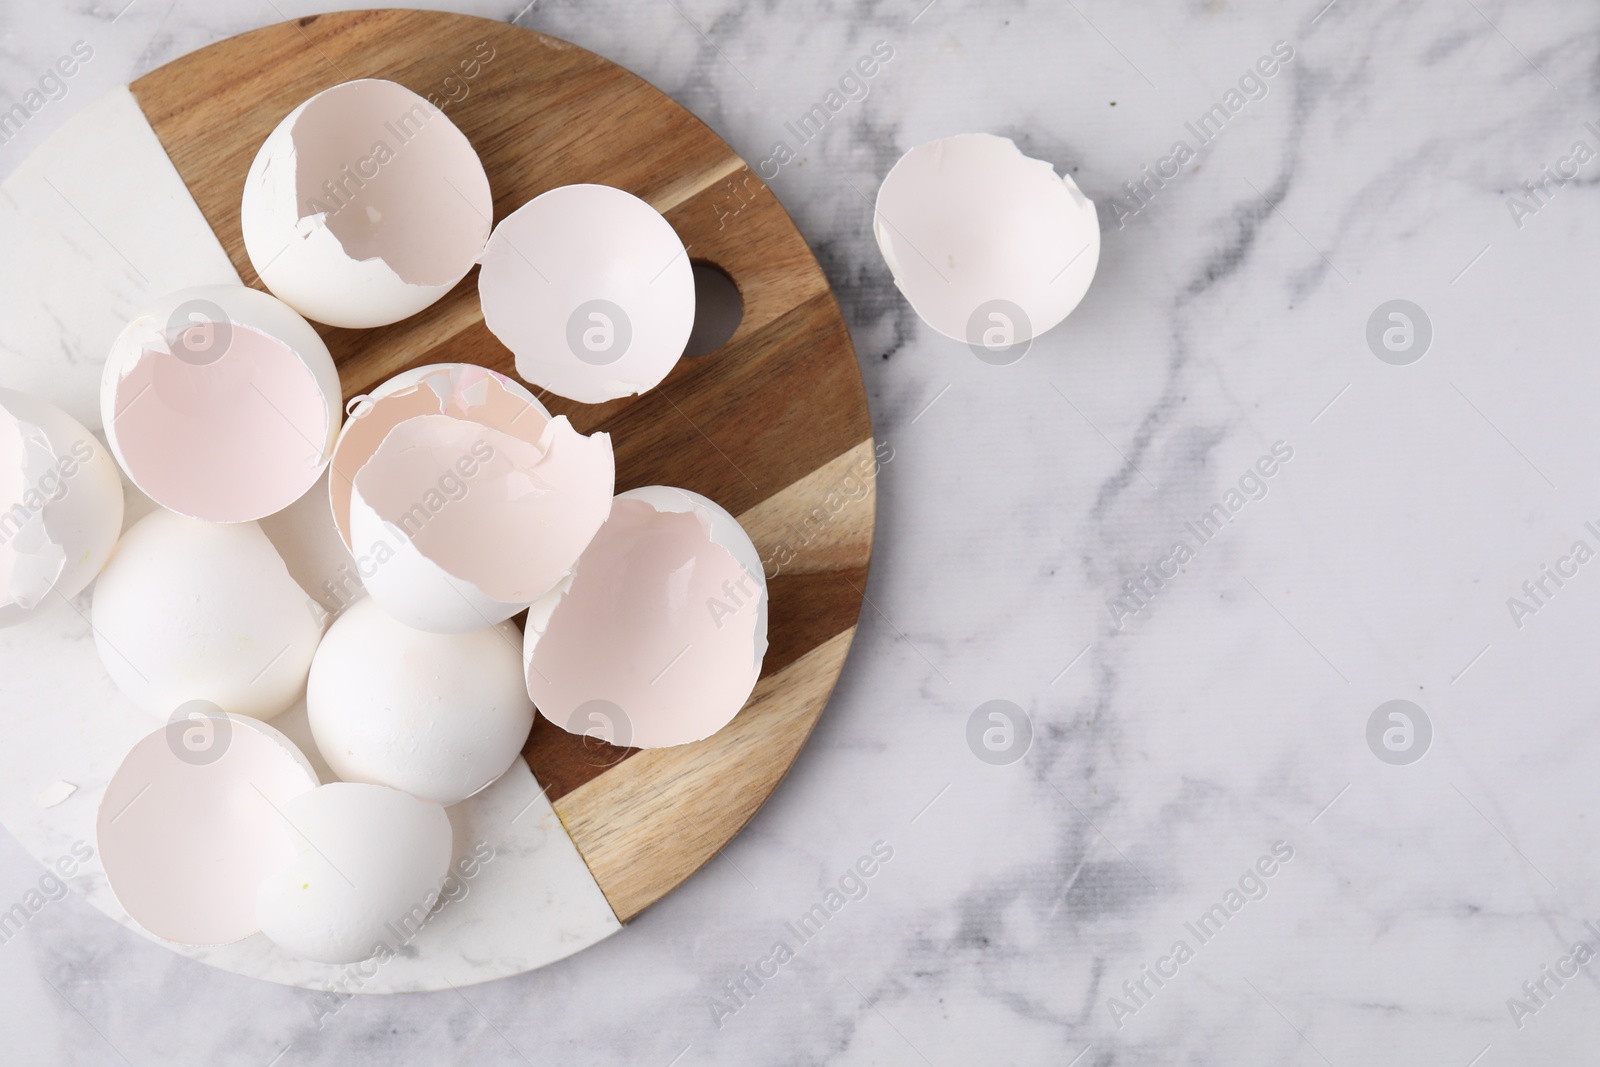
(1184, 740)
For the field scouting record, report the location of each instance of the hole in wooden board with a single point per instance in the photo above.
(718, 309)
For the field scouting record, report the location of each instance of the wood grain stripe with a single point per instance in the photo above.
(823, 522)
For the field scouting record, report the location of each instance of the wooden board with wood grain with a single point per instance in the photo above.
(773, 425)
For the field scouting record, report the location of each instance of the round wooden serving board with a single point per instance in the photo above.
(773, 426)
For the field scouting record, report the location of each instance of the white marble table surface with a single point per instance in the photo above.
(1428, 911)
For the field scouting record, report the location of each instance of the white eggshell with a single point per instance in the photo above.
(440, 716)
(367, 869)
(365, 205)
(190, 825)
(462, 500)
(591, 289)
(309, 542)
(188, 610)
(416, 590)
(969, 220)
(60, 505)
(221, 403)
(658, 637)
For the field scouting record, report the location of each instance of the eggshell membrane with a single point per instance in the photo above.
(576, 244)
(726, 531)
(464, 390)
(440, 716)
(546, 500)
(365, 205)
(459, 551)
(226, 438)
(187, 610)
(185, 844)
(367, 866)
(61, 505)
(635, 625)
(969, 219)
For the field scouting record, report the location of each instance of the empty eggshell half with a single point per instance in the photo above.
(60, 505)
(366, 871)
(190, 825)
(591, 290)
(461, 499)
(658, 637)
(440, 716)
(221, 403)
(365, 205)
(989, 246)
(188, 610)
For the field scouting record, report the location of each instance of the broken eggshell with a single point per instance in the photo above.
(591, 290)
(461, 499)
(365, 205)
(60, 505)
(989, 246)
(440, 716)
(366, 870)
(188, 610)
(189, 826)
(221, 403)
(659, 634)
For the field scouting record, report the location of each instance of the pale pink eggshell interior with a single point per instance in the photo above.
(599, 256)
(660, 621)
(228, 440)
(412, 208)
(186, 844)
(460, 389)
(517, 524)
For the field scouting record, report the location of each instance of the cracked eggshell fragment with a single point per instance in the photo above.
(973, 229)
(462, 500)
(367, 868)
(591, 289)
(189, 610)
(60, 505)
(221, 403)
(440, 716)
(660, 633)
(189, 825)
(365, 205)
